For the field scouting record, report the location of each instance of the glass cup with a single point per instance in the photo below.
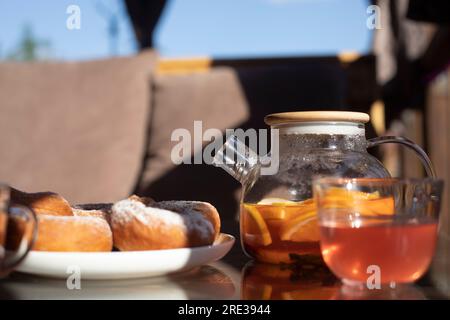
(377, 231)
(18, 227)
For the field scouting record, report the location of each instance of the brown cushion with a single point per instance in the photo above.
(75, 128)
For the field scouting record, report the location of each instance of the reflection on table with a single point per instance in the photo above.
(287, 282)
(215, 281)
(227, 279)
(307, 282)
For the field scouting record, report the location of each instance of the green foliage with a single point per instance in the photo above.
(29, 47)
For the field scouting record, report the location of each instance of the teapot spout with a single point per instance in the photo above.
(238, 160)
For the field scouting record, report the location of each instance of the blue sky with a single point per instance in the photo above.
(219, 28)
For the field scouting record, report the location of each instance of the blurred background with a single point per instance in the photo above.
(220, 29)
(91, 90)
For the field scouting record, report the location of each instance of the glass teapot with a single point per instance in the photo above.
(277, 215)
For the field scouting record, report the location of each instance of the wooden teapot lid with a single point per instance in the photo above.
(312, 116)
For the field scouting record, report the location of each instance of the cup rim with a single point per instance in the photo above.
(380, 181)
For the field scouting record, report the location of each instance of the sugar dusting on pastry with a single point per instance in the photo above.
(136, 223)
(96, 222)
(72, 233)
(126, 210)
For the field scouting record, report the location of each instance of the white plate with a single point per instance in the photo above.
(123, 265)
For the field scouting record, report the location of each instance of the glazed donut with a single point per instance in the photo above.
(74, 233)
(48, 203)
(137, 226)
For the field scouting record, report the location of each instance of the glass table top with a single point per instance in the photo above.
(234, 277)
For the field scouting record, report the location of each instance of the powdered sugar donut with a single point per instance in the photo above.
(137, 226)
(72, 233)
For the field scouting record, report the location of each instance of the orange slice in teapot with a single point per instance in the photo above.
(275, 208)
(302, 228)
(262, 237)
(281, 209)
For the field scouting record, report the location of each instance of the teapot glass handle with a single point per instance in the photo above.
(408, 143)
